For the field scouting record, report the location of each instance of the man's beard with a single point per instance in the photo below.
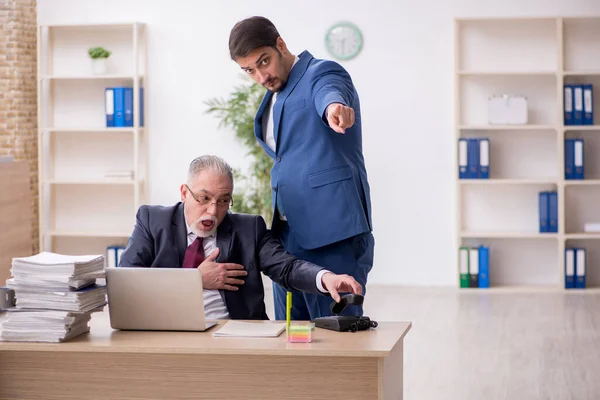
(201, 232)
(281, 80)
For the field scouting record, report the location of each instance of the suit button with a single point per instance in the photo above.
(275, 188)
(278, 159)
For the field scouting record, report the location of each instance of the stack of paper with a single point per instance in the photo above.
(44, 325)
(81, 300)
(55, 296)
(50, 270)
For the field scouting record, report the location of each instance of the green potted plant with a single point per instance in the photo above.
(99, 55)
(253, 189)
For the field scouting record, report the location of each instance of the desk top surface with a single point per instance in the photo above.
(377, 342)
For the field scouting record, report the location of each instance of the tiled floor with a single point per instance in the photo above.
(494, 345)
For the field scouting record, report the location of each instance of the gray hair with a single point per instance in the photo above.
(209, 162)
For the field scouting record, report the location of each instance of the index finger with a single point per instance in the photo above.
(236, 273)
(232, 266)
(356, 287)
(334, 294)
(333, 125)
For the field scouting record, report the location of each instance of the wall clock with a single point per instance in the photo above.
(343, 40)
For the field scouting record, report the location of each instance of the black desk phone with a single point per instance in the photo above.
(342, 323)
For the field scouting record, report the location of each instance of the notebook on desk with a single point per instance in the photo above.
(250, 329)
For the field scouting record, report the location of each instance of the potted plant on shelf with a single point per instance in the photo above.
(99, 56)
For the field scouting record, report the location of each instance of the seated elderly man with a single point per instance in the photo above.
(230, 249)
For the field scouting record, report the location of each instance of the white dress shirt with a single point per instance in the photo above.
(267, 119)
(267, 123)
(214, 303)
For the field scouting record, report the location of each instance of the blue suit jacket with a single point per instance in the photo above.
(319, 175)
(159, 239)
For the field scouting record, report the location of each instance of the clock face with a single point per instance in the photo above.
(343, 40)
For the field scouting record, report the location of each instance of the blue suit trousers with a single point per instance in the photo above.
(352, 256)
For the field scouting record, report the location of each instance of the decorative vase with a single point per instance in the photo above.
(99, 66)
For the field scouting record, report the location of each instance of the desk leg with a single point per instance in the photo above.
(391, 374)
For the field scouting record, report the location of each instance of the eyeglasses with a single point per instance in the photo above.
(207, 201)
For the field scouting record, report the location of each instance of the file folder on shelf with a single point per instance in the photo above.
(473, 159)
(463, 255)
(578, 160)
(568, 104)
(580, 268)
(463, 166)
(577, 105)
(113, 255)
(569, 159)
(109, 107)
(548, 212)
(588, 105)
(473, 267)
(484, 267)
(141, 106)
(128, 106)
(544, 212)
(484, 159)
(553, 212)
(119, 93)
(569, 268)
(120, 251)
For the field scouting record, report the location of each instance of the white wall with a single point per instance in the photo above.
(404, 76)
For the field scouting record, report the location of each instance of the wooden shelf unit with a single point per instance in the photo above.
(84, 207)
(533, 57)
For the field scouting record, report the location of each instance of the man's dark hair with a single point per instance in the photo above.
(251, 33)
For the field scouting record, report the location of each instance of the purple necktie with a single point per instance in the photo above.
(194, 254)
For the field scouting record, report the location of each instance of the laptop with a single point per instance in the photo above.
(158, 299)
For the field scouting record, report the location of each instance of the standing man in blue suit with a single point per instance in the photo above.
(309, 122)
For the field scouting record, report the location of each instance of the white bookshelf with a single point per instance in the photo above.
(533, 57)
(83, 208)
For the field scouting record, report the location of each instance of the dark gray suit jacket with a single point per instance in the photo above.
(159, 239)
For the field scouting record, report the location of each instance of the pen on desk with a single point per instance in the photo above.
(288, 304)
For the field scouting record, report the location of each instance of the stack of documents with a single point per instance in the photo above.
(24, 325)
(81, 300)
(55, 296)
(51, 270)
